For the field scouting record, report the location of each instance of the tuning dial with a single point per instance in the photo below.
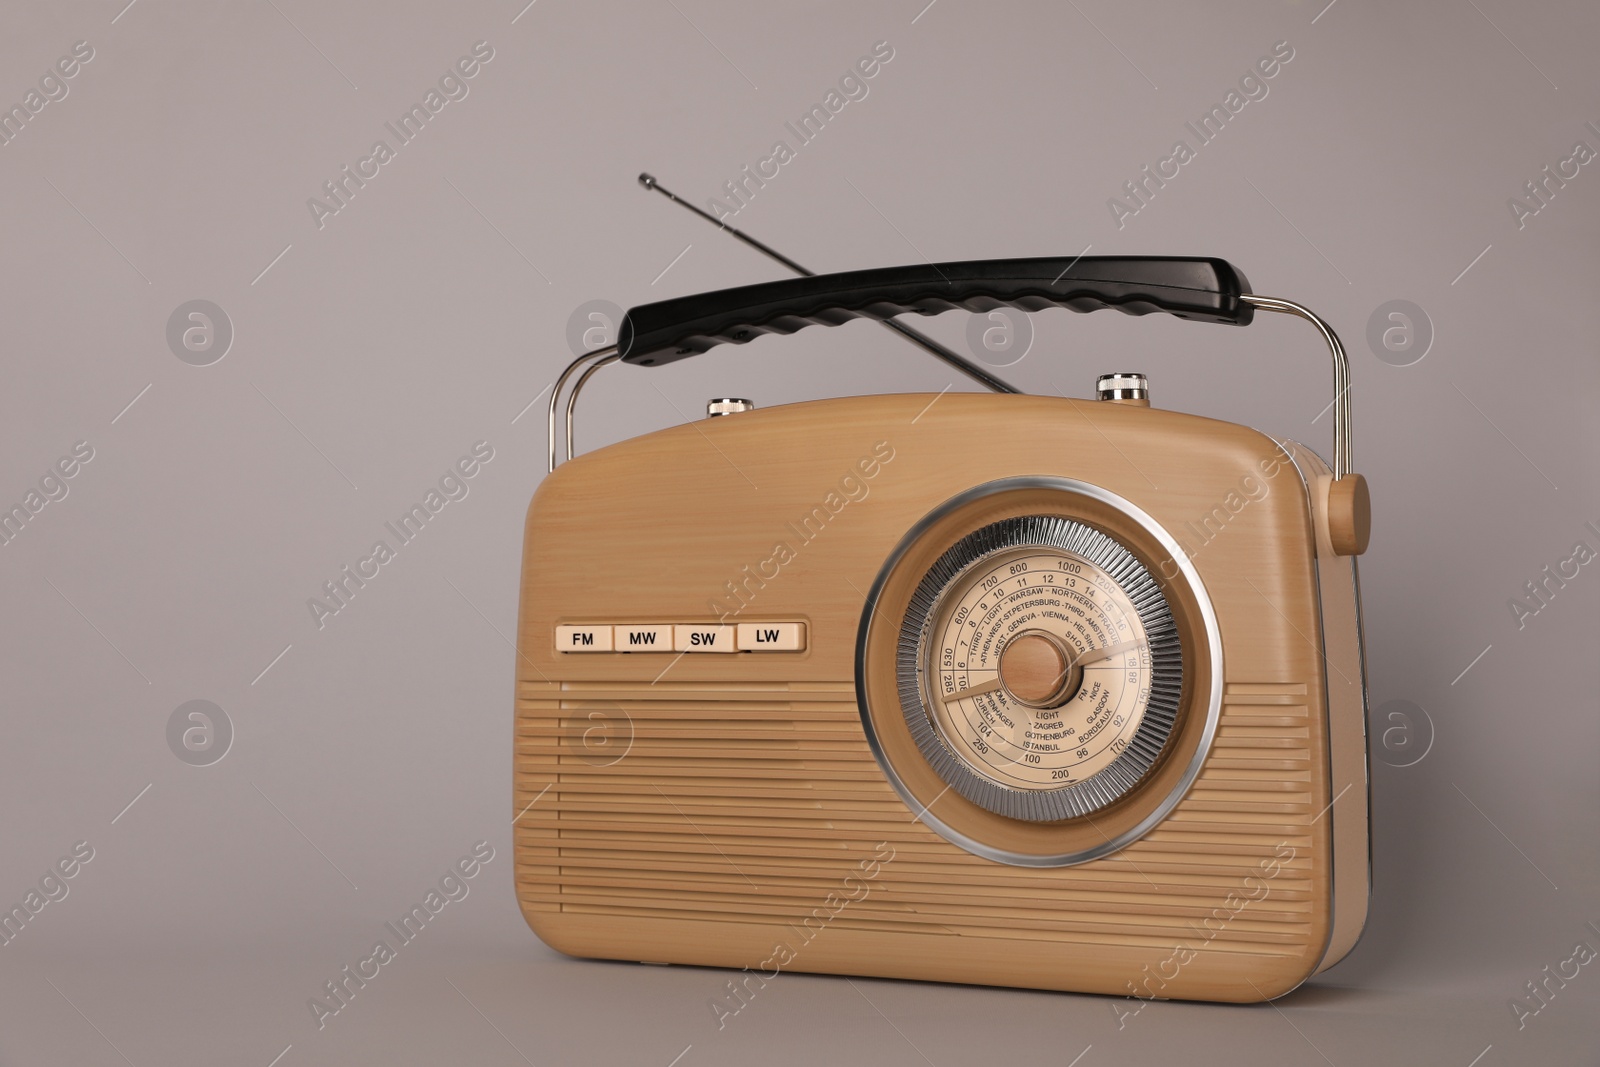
(1129, 387)
(728, 405)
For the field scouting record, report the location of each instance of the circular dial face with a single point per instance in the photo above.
(1040, 669)
(1037, 668)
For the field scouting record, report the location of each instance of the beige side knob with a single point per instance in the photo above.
(1349, 515)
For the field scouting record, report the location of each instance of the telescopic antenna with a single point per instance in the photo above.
(916, 337)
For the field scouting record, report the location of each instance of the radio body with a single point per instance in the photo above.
(1001, 689)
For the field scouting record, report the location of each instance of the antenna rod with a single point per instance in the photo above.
(916, 337)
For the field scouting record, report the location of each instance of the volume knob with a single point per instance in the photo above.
(728, 405)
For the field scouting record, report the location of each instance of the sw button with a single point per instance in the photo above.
(703, 639)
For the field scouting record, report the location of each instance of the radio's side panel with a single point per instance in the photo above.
(1349, 811)
(727, 810)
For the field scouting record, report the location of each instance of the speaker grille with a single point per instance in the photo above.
(750, 803)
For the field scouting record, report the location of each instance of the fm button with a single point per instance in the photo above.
(583, 638)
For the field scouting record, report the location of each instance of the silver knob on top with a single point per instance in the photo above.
(728, 405)
(1127, 386)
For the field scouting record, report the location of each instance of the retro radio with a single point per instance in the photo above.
(971, 687)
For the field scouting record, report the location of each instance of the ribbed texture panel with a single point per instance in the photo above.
(750, 804)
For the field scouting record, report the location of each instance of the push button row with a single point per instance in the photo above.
(683, 637)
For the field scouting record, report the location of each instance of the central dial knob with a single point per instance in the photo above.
(1036, 669)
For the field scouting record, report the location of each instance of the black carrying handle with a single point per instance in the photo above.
(1190, 287)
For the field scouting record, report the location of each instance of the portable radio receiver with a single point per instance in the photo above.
(969, 687)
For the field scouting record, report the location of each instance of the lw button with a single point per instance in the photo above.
(703, 639)
(583, 639)
(772, 636)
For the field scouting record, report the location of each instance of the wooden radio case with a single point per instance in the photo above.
(792, 683)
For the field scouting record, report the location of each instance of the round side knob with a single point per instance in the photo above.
(1349, 515)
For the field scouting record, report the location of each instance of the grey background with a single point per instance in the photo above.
(429, 312)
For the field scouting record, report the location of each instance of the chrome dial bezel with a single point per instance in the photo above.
(1099, 548)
